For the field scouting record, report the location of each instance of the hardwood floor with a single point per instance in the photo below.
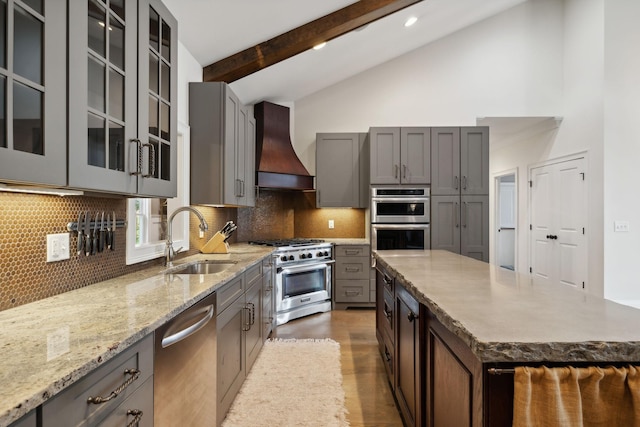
(368, 397)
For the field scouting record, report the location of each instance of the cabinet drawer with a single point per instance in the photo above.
(252, 274)
(228, 293)
(139, 404)
(388, 355)
(387, 324)
(352, 268)
(71, 407)
(352, 250)
(352, 291)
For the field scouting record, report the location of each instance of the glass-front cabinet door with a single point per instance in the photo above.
(102, 95)
(33, 92)
(122, 97)
(157, 98)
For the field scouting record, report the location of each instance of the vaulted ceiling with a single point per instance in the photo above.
(255, 43)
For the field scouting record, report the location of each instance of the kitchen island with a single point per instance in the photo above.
(473, 316)
(47, 345)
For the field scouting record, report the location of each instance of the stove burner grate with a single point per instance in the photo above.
(286, 242)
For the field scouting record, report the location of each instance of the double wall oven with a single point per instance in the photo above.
(303, 277)
(400, 217)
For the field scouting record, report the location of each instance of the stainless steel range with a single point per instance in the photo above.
(303, 277)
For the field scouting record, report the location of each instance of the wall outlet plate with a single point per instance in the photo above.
(331, 224)
(57, 247)
(621, 226)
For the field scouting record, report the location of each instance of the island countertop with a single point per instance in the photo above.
(49, 344)
(505, 316)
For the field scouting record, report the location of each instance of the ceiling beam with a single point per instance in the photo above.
(302, 38)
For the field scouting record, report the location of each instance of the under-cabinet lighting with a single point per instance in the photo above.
(39, 190)
(409, 22)
(320, 46)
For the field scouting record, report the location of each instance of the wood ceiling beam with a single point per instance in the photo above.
(302, 38)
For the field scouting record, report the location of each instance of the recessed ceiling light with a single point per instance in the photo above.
(409, 22)
(320, 45)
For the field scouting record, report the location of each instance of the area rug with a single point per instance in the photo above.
(292, 383)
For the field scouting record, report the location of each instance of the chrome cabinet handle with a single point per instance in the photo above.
(455, 182)
(152, 160)
(395, 171)
(352, 269)
(137, 414)
(351, 293)
(187, 332)
(457, 215)
(352, 252)
(99, 399)
(464, 182)
(138, 143)
(404, 171)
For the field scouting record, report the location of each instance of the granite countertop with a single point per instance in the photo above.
(505, 316)
(348, 241)
(47, 345)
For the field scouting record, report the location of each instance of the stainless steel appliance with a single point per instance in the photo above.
(399, 205)
(184, 378)
(303, 277)
(400, 217)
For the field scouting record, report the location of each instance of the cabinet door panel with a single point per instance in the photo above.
(445, 223)
(33, 140)
(474, 238)
(415, 153)
(385, 155)
(445, 161)
(474, 160)
(337, 167)
(231, 351)
(450, 388)
(407, 355)
(253, 329)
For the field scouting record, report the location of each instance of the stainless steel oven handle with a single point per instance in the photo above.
(412, 199)
(408, 226)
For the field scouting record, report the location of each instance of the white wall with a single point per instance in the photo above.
(621, 147)
(189, 70)
(541, 58)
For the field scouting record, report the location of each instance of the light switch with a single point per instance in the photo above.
(331, 224)
(57, 247)
(621, 226)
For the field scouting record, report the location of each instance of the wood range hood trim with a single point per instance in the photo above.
(277, 164)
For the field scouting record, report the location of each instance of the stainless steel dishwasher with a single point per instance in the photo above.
(185, 368)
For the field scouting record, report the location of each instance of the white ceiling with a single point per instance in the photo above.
(214, 29)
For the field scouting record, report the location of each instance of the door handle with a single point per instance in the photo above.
(457, 215)
(464, 182)
(404, 171)
(466, 214)
(412, 316)
(395, 171)
(455, 178)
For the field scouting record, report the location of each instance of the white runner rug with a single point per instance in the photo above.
(292, 383)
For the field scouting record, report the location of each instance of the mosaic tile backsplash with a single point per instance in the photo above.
(25, 221)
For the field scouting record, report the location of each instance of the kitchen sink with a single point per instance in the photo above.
(202, 267)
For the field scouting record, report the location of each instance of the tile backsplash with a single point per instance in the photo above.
(26, 219)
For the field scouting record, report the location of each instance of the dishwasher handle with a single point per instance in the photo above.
(207, 315)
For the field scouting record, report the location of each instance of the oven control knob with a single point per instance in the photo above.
(319, 254)
(303, 256)
(309, 255)
(326, 253)
(284, 258)
(291, 258)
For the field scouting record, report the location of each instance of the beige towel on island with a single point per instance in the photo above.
(568, 397)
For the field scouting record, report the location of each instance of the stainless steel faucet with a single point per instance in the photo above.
(169, 252)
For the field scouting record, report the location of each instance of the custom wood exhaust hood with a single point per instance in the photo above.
(277, 164)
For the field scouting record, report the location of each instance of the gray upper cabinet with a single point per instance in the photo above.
(460, 161)
(123, 101)
(33, 117)
(222, 146)
(400, 155)
(342, 170)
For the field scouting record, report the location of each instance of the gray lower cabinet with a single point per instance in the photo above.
(28, 420)
(222, 146)
(123, 56)
(400, 155)
(409, 357)
(131, 371)
(268, 298)
(239, 337)
(352, 285)
(33, 142)
(342, 170)
(461, 225)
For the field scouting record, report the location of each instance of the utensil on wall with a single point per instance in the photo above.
(87, 233)
(80, 233)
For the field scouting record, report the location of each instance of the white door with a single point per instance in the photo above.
(558, 221)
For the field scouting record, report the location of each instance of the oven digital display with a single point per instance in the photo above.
(400, 208)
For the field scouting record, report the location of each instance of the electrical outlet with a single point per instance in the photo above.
(621, 226)
(331, 224)
(57, 247)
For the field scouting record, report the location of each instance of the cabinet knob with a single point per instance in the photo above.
(412, 316)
